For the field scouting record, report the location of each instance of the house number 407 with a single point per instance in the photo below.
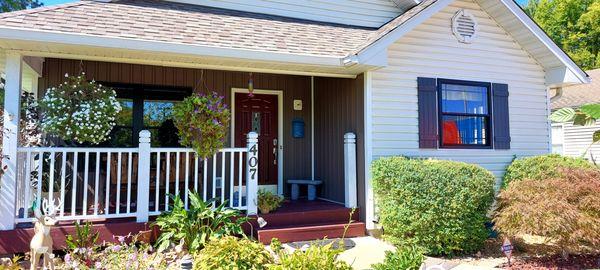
(253, 162)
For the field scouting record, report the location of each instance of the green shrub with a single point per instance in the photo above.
(315, 257)
(230, 252)
(541, 167)
(565, 210)
(438, 205)
(198, 224)
(267, 201)
(403, 258)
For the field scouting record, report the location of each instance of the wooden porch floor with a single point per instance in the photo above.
(294, 221)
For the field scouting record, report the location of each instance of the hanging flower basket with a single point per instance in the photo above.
(202, 121)
(79, 110)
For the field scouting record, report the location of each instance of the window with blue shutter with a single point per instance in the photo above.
(463, 114)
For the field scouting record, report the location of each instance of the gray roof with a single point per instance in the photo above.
(575, 96)
(163, 21)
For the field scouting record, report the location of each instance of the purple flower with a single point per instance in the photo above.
(116, 248)
(98, 265)
(68, 258)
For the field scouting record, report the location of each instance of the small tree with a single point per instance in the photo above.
(586, 115)
(565, 210)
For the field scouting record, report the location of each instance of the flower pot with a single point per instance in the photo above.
(145, 236)
(264, 211)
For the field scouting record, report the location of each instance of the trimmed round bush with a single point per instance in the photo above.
(542, 167)
(438, 205)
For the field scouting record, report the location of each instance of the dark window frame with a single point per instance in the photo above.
(489, 123)
(139, 93)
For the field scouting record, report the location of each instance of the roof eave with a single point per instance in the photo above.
(8, 33)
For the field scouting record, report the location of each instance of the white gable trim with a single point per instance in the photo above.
(555, 77)
(544, 38)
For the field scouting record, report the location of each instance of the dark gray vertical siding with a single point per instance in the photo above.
(297, 156)
(338, 110)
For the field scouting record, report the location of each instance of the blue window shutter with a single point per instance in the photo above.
(428, 113)
(500, 116)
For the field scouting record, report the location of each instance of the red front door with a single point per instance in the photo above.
(259, 114)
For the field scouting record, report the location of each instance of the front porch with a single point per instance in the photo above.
(132, 181)
(294, 221)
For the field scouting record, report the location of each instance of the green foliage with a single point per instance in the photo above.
(203, 122)
(565, 209)
(230, 252)
(541, 167)
(315, 257)
(438, 205)
(198, 224)
(12, 264)
(14, 5)
(573, 24)
(127, 253)
(80, 110)
(403, 258)
(85, 237)
(268, 201)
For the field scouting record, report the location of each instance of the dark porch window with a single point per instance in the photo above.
(150, 108)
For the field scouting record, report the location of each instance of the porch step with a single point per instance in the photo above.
(309, 217)
(296, 233)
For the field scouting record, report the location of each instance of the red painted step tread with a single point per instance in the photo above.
(312, 232)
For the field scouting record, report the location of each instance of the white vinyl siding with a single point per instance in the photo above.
(431, 50)
(368, 13)
(577, 139)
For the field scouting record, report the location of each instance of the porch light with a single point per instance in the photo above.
(250, 86)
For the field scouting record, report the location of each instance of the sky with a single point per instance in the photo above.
(54, 2)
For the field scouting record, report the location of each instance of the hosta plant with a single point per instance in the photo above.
(268, 201)
(565, 210)
(203, 122)
(198, 224)
(80, 110)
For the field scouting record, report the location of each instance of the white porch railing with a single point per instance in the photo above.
(105, 183)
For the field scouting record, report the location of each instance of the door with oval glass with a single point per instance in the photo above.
(258, 113)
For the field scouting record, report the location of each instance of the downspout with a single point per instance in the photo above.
(557, 95)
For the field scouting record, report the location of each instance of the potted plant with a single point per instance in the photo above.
(268, 201)
(203, 122)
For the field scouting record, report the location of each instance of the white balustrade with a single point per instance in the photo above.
(105, 183)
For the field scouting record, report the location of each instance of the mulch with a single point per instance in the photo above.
(575, 262)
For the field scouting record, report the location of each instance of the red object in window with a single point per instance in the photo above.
(450, 133)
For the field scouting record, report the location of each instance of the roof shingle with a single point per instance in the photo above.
(192, 24)
(575, 96)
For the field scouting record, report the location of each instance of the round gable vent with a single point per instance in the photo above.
(464, 26)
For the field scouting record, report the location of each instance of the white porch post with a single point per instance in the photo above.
(252, 173)
(8, 183)
(143, 188)
(350, 170)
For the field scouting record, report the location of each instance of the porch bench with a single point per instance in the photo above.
(312, 188)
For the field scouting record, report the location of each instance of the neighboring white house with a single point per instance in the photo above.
(571, 140)
(467, 80)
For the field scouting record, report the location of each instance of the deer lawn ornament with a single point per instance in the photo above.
(41, 243)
